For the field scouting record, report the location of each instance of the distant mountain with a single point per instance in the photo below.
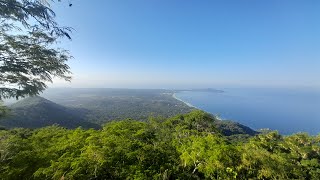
(35, 112)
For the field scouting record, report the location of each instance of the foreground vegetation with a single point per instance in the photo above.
(183, 147)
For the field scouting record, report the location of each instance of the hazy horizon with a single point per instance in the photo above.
(163, 44)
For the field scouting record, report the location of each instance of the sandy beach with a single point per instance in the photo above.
(188, 104)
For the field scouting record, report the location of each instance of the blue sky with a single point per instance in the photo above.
(189, 43)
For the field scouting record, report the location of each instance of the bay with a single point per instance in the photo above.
(286, 110)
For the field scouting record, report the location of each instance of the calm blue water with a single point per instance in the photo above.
(286, 110)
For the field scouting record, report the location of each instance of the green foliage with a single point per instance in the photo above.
(183, 147)
(271, 156)
(208, 155)
(4, 111)
(195, 120)
(28, 54)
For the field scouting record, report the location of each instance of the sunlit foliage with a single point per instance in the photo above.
(183, 147)
(29, 56)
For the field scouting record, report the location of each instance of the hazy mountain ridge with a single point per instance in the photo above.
(36, 111)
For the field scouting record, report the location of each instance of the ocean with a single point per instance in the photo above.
(286, 110)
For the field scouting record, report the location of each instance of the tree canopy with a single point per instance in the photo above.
(29, 58)
(182, 147)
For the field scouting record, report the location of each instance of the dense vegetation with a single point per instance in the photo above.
(29, 53)
(183, 147)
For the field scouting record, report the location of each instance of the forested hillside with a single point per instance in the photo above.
(182, 147)
(35, 112)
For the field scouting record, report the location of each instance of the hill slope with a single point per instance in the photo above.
(35, 112)
(229, 128)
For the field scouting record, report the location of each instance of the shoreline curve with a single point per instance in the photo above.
(188, 104)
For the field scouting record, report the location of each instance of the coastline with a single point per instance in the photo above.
(188, 104)
(192, 106)
(221, 120)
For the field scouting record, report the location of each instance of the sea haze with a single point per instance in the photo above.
(286, 110)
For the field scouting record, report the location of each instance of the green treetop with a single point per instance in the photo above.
(28, 59)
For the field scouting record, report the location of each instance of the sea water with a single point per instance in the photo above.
(286, 110)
